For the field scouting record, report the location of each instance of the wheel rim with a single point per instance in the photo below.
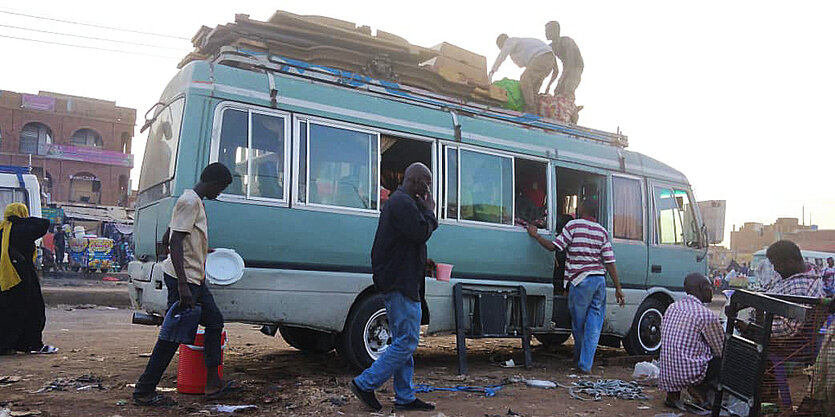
(649, 330)
(376, 336)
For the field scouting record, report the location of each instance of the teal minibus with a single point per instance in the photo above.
(315, 151)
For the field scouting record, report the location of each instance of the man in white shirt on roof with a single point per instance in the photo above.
(535, 56)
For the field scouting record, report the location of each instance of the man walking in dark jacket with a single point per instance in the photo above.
(398, 259)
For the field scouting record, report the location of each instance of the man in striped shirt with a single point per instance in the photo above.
(589, 257)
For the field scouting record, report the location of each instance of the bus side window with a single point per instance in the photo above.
(531, 193)
(396, 154)
(486, 187)
(343, 167)
(233, 153)
(668, 217)
(627, 219)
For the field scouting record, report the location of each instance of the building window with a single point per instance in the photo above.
(85, 188)
(628, 219)
(35, 138)
(87, 137)
(253, 146)
(126, 142)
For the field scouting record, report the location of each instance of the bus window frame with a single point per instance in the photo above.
(297, 119)
(215, 151)
(176, 155)
(672, 187)
(444, 145)
(644, 205)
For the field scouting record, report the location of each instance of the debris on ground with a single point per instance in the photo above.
(9, 379)
(81, 383)
(5, 412)
(596, 390)
(233, 408)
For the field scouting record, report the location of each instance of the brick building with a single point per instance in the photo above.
(752, 237)
(79, 147)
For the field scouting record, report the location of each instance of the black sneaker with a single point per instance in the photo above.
(367, 397)
(416, 405)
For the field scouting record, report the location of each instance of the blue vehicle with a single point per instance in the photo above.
(315, 151)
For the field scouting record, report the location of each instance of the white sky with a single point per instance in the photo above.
(737, 95)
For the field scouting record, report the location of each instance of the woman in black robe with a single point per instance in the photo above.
(22, 311)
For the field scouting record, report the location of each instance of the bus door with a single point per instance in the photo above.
(629, 230)
(675, 248)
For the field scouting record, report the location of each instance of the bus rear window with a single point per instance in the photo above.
(12, 195)
(161, 149)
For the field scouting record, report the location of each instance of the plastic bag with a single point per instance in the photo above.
(646, 370)
(515, 100)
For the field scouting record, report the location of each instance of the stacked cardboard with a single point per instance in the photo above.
(319, 40)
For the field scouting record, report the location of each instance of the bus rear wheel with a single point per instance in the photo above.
(366, 333)
(645, 336)
(307, 340)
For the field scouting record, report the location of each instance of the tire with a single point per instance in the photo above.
(365, 336)
(644, 337)
(307, 340)
(104, 270)
(552, 340)
(76, 268)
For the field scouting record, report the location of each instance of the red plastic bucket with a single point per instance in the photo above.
(191, 368)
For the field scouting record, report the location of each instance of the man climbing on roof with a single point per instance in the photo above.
(572, 62)
(534, 56)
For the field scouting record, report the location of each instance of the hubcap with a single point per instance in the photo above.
(376, 336)
(649, 330)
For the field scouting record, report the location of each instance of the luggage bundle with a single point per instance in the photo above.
(444, 69)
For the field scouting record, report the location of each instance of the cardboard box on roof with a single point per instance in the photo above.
(458, 72)
(461, 55)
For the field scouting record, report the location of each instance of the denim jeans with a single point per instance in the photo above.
(404, 326)
(210, 318)
(587, 303)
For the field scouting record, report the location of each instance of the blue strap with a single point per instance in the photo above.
(489, 390)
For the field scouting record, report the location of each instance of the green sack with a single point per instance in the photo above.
(515, 100)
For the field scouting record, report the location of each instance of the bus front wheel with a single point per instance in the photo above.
(645, 336)
(307, 340)
(366, 333)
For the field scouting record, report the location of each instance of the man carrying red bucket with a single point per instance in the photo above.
(185, 273)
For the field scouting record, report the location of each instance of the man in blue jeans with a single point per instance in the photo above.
(398, 259)
(589, 256)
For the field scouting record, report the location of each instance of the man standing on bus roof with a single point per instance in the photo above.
(184, 274)
(589, 257)
(534, 56)
(398, 259)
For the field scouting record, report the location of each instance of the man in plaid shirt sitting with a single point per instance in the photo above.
(797, 280)
(691, 343)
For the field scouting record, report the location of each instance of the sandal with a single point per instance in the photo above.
(228, 388)
(45, 350)
(155, 400)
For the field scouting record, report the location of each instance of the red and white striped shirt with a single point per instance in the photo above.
(587, 247)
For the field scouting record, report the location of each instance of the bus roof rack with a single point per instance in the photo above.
(253, 60)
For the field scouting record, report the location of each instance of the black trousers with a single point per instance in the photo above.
(22, 314)
(210, 318)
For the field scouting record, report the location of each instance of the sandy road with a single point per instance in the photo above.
(283, 381)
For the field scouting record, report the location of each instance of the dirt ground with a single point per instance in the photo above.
(280, 380)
